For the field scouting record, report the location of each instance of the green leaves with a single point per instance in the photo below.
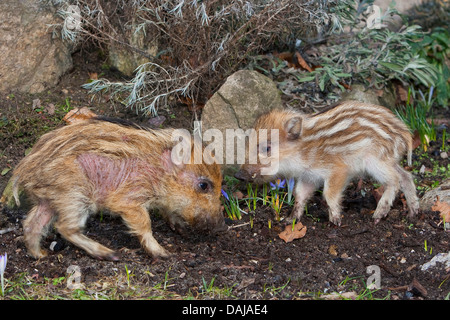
(325, 76)
(376, 56)
(412, 68)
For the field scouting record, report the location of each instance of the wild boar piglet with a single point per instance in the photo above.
(103, 164)
(332, 147)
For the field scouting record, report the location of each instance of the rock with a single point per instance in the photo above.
(443, 258)
(401, 5)
(360, 93)
(244, 96)
(386, 96)
(31, 60)
(430, 197)
(57, 245)
(156, 122)
(352, 295)
(126, 60)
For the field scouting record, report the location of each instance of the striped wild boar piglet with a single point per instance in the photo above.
(334, 146)
(101, 164)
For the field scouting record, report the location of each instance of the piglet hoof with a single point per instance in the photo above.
(162, 255)
(112, 256)
(336, 220)
(293, 216)
(289, 220)
(412, 216)
(158, 252)
(41, 253)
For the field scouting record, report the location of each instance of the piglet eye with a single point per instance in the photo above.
(204, 186)
(265, 149)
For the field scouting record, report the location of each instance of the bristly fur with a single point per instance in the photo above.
(331, 147)
(110, 164)
(122, 122)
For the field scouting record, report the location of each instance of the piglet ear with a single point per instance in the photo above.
(171, 160)
(293, 128)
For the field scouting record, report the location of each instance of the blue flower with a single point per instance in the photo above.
(279, 184)
(225, 194)
(3, 261)
(291, 183)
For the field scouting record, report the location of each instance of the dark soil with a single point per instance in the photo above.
(249, 261)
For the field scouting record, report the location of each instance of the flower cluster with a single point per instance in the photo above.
(276, 198)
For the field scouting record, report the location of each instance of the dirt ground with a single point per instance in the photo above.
(249, 261)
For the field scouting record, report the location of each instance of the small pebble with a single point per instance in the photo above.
(56, 246)
(156, 122)
(408, 295)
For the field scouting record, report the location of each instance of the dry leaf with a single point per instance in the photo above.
(402, 93)
(191, 104)
(333, 250)
(378, 193)
(416, 140)
(77, 115)
(286, 56)
(417, 289)
(238, 195)
(443, 208)
(346, 86)
(289, 235)
(302, 62)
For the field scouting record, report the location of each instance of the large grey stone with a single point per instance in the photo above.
(360, 93)
(31, 60)
(125, 59)
(244, 96)
(430, 197)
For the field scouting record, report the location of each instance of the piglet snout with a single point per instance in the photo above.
(243, 175)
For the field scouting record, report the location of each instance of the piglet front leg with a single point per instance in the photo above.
(302, 192)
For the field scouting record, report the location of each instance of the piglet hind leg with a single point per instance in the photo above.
(35, 226)
(390, 179)
(409, 189)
